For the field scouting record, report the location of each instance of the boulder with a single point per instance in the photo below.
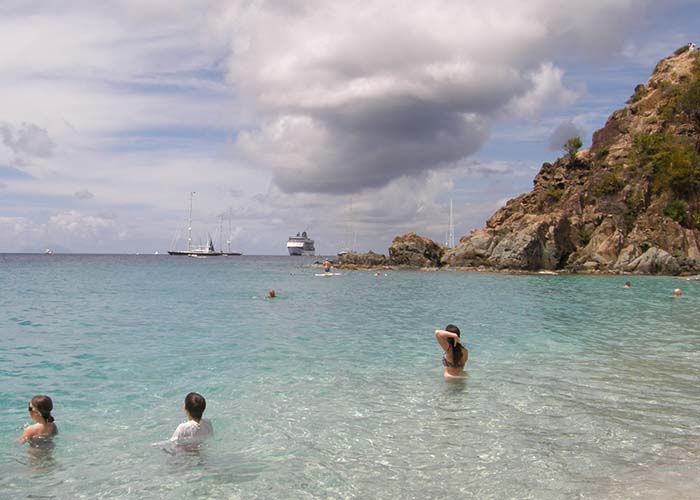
(415, 251)
(369, 259)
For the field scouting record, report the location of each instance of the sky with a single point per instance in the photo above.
(355, 122)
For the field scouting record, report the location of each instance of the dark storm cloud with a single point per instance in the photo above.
(353, 98)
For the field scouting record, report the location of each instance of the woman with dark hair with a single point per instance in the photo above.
(456, 355)
(40, 411)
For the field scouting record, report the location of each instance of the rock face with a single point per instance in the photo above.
(631, 203)
(369, 259)
(415, 251)
(408, 250)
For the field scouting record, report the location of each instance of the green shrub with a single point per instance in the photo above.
(554, 194)
(677, 210)
(639, 92)
(584, 236)
(634, 204)
(681, 50)
(572, 146)
(689, 101)
(610, 183)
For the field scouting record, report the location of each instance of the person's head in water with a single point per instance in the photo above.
(677, 292)
(195, 404)
(41, 406)
(271, 294)
(628, 284)
(456, 348)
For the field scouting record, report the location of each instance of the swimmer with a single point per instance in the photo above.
(377, 273)
(677, 293)
(271, 294)
(197, 428)
(40, 411)
(455, 355)
(628, 284)
(326, 266)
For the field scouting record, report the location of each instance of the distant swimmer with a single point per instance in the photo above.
(39, 408)
(271, 294)
(455, 355)
(189, 435)
(677, 293)
(326, 266)
(377, 273)
(628, 284)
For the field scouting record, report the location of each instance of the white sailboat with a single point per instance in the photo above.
(350, 235)
(196, 250)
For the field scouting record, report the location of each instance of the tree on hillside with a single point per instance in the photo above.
(572, 146)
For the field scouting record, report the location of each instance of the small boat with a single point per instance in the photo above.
(48, 251)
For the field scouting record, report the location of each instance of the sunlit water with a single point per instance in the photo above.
(575, 387)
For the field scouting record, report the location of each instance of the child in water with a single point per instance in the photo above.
(197, 428)
(40, 411)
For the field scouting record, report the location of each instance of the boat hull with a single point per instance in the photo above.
(191, 253)
(299, 251)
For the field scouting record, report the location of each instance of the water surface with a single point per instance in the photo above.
(575, 386)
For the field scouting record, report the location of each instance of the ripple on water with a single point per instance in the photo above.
(575, 386)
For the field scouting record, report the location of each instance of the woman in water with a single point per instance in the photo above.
(40, 411)
(456, 355)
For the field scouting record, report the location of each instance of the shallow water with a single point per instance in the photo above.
(575, 386)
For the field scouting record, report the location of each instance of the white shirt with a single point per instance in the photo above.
(192, 432)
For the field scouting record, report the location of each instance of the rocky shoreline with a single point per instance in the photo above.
(628, 205)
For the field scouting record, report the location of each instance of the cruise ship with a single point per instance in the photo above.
(301, 244)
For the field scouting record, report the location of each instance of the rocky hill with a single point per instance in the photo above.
(631, 203)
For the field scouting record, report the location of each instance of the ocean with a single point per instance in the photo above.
(575, 388)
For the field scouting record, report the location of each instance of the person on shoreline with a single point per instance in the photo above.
(190, 434)
(455, 356)
(40, 411)
(677, 293)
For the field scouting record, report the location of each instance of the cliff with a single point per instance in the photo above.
(631, 203)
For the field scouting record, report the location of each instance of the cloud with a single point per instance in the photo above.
(564, 131)
(348, 98)
(27, 140)
(79, 225)
(83, 194)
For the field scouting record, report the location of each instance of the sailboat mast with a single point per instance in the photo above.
(189, 225)
(221, 232)
(450, 243)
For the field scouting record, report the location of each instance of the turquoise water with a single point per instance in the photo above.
(575, 387)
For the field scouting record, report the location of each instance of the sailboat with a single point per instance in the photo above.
(196, 250)
(228, 239)
(350, 235)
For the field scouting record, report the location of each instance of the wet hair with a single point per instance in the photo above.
(195, 404)
(456, 349)
(43, 406)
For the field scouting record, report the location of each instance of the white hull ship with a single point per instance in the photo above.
(301, 244)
